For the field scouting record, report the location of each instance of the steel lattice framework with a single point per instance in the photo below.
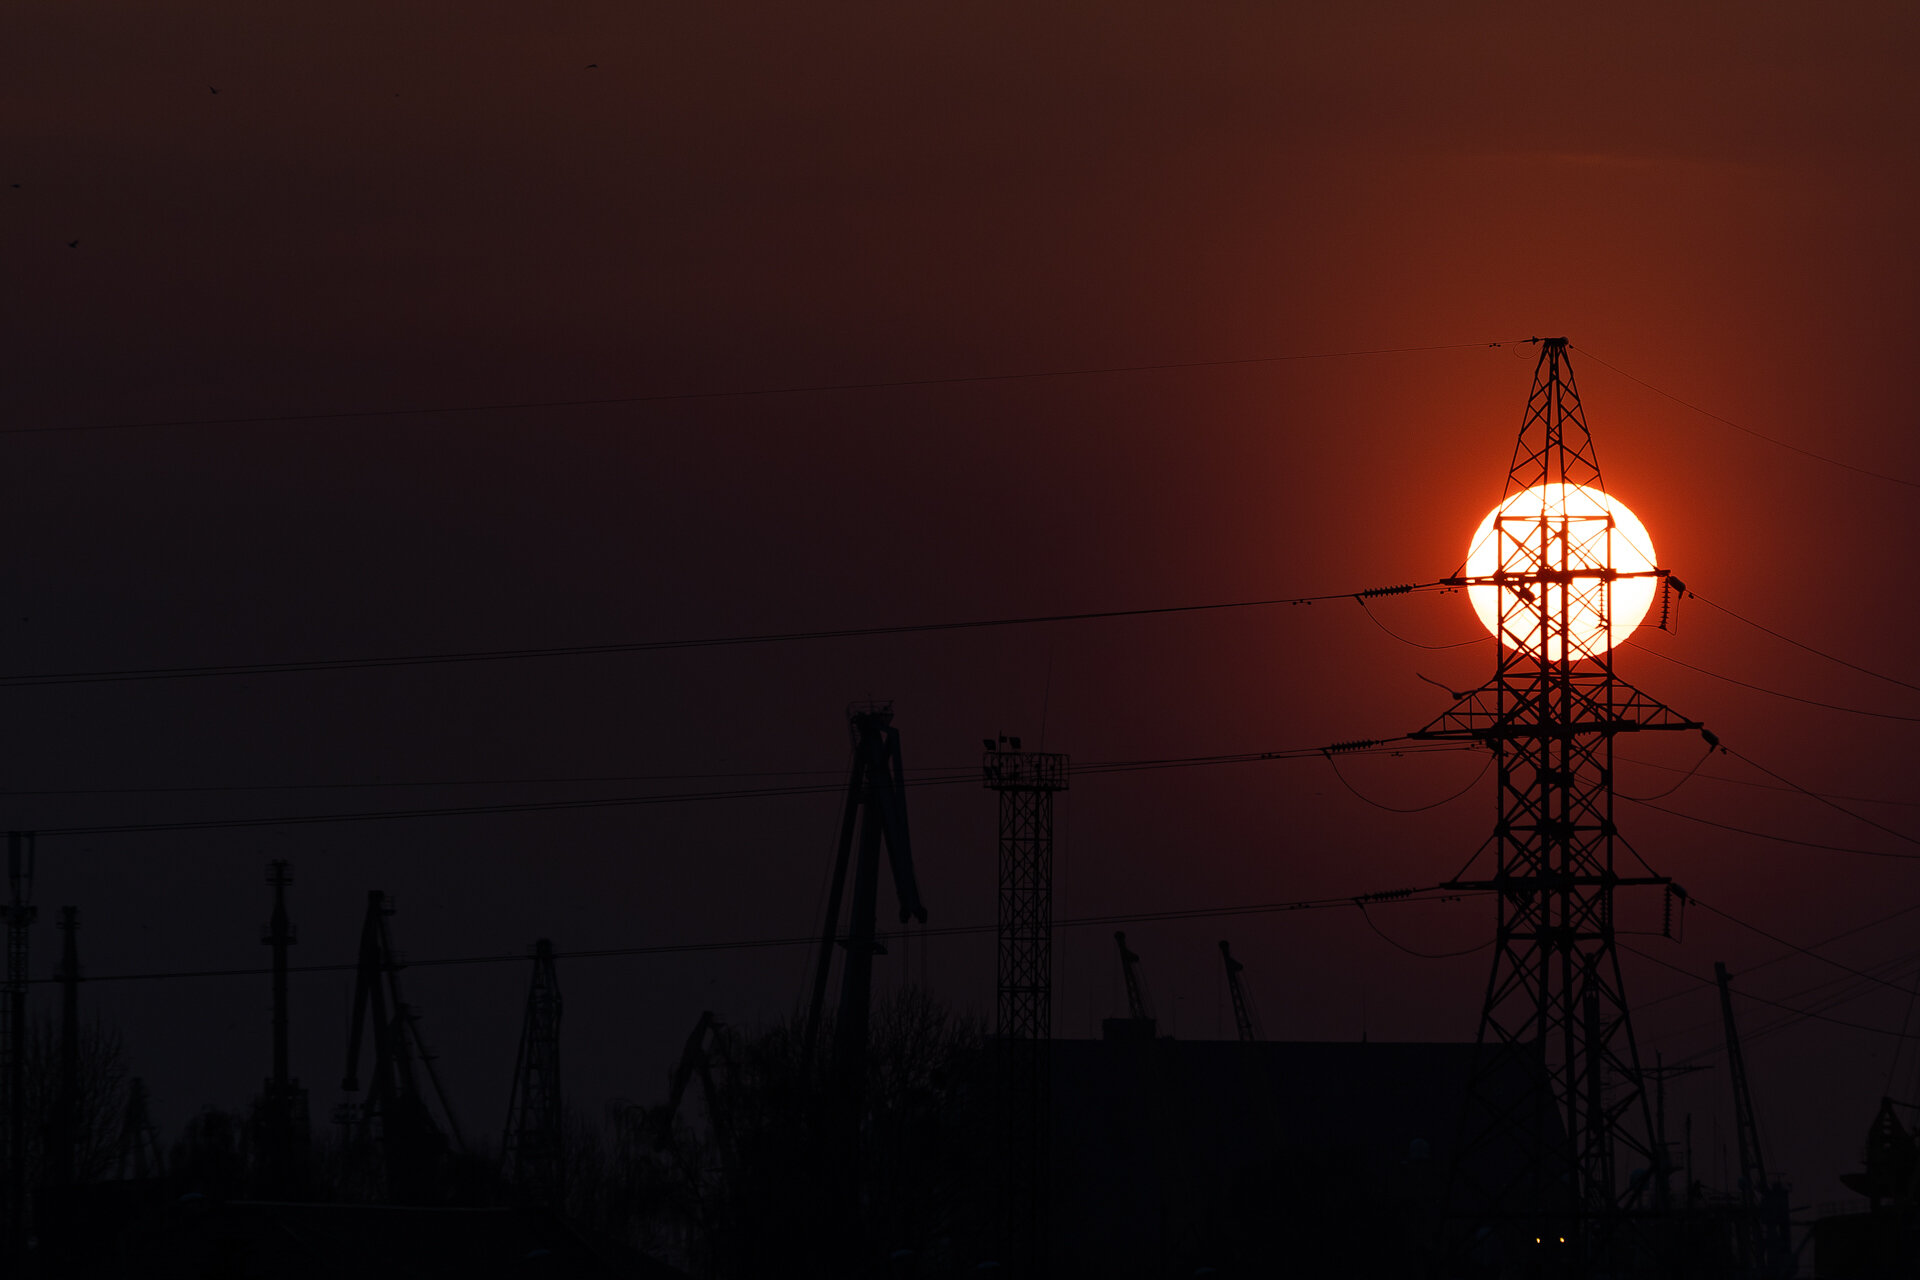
(531, 1144)
(1557, 1084)
(19, 913)
(1026, 781)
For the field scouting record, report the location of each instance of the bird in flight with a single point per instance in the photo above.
(211, 89)
(73, 244)
(591, 66)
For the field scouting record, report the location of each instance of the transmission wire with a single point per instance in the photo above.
(738, 394)
(1758, 435)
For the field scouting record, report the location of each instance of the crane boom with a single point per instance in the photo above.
(1765, 1250)
(1244, 1024)
(1136, 997)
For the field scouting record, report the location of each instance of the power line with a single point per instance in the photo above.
(1815, 795)
(1378, 898)
(1761, 786)
(1408, 640)
(1418, 808)
(1686, 776)
(1767, 835)
(1415, 952)
(1748, 995)
(1758, 435)
(459, 811)
(673, 397)
(1874, 923)
(114, 675)
(929, 771)
(434, 783)
(1819, 653)
(1805, 951)
(1379, 746)
(1828, 994)
(1776, 693)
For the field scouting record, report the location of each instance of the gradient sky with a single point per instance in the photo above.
(410, 206)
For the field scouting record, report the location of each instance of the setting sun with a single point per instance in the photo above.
(1561, 537)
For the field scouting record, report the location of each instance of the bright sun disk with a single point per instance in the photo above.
(1562, 526)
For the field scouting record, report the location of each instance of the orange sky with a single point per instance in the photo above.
(383, 207)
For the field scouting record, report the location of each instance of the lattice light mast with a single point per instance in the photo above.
(1557, 1085)
(1026, 782)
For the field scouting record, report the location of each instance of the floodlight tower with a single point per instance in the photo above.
(1026, 781)
(1557, 1084)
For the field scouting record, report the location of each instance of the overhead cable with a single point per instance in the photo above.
(1768, 835)
(1775, 693)
(1818, 653)
(114, 675)
(1792, 950)
(1432, 893)
(671, 397)
(1758, 435)
(1805, 951)
(1093, 768)
(1748, 995)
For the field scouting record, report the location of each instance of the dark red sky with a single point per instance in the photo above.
(395, 206)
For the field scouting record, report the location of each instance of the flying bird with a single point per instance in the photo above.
(73, 244)
(211, 89)
(591, 66)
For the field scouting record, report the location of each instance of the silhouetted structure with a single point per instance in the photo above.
(694, 1060)
(1269, 1158)
(1139, 1023)
(1026, 782)
(392, 1136)
(20, 912)
(877, 805)
(531, 1149)
(1663, 1166)
(282, 1132)
(64, 1132)
(138, 1147)
(1550, 714)
(194, 1238)
(1884, 1242)
(1245, 1026)
(1763, 1244)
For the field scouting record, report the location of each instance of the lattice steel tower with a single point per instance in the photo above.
(532, 1144)
(282, 1134)
(1557, 1083)
(1026, 781)
(19, 913)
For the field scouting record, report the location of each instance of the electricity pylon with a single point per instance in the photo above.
(533, 1146)
(19, 913)
(282, 1134)
(1557, 1085)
